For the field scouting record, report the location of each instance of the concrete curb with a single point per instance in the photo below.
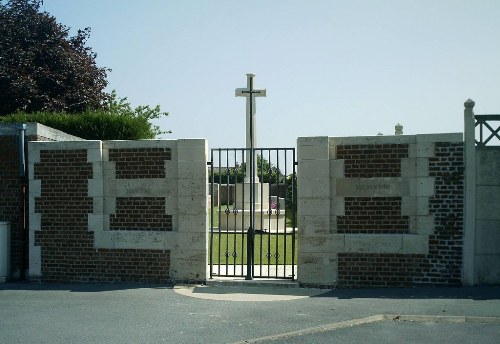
(374, 319)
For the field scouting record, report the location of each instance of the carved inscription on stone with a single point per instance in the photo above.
(135, 188)
(370, 187)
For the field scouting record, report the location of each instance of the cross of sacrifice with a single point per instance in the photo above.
(250, 93)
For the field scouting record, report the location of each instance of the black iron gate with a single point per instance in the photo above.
(253, 213)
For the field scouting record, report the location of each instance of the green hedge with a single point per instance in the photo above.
(92, 125)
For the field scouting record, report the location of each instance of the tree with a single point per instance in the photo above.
(42, 68)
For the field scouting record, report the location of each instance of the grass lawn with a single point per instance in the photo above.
(288, 216)
(230, 242)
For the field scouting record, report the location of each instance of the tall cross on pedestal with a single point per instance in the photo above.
(250, 94)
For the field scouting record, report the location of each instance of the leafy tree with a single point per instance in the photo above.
(42, 68)
(267, 173)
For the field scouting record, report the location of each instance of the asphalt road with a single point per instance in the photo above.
(118, 313)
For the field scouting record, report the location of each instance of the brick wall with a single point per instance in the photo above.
(368, 161)
(384, 211)
(67, 246)
(118, 211)
(372, 215)
(140, 213)
(447, 206)
(443, 263)
(135, 163)
(380, 270)
(10, 196)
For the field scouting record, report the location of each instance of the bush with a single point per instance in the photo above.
(116, 121)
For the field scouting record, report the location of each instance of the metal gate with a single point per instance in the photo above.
(253, 213)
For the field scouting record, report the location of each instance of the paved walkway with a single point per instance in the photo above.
(120, 313)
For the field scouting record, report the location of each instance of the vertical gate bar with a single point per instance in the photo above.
(227, 217)
(219, 209)
(250, 236)
(277, 218)
(277, 157)
(261, 219)
(270, 212)
(243, 237)
(284, 222)
(480, 132)
(211, 212)
(294, 214)
(234, 255)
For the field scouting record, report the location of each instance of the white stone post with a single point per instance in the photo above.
(468, 275)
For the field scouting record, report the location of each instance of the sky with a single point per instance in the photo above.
(330, 67)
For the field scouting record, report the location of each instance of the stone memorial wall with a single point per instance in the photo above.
(118, 211)
(380, 211)
(11, 186)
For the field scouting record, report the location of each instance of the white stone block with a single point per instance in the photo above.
(424, 150)
(189, 241)
(312, 148)
(487, 166)
(35, 188)
(310, 225)
(415, 244)
(132, 144)
(171, 206)
(98, 205)
(487, 202)
(321, 243)
(195, 267)
(313, 188)
(35, 261)
(488, 237)
(95, 222)
(193, 223)
(47, 145)
(109, 206)
(487, 267)
(314, 206)
(192, 170)
(192, 205)
(171, 169)
(370, 187)
(97, 170)
(415, 167)
(421, 186)
(151, 187)
(319, 269)
(95, 188)
(373, 243)
(109, 170)
(337, 169)
(412, 206)
(421, 224)
(33, 153)
(35, 220)
(372, 140)
(94, 155)
(316, 170)
(337, 206)
(31, 171)
(192, 150)
(104, 239)
(444, 137)
(143, 240)
(192, 187)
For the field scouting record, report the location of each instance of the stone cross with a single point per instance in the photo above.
(250, 93)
